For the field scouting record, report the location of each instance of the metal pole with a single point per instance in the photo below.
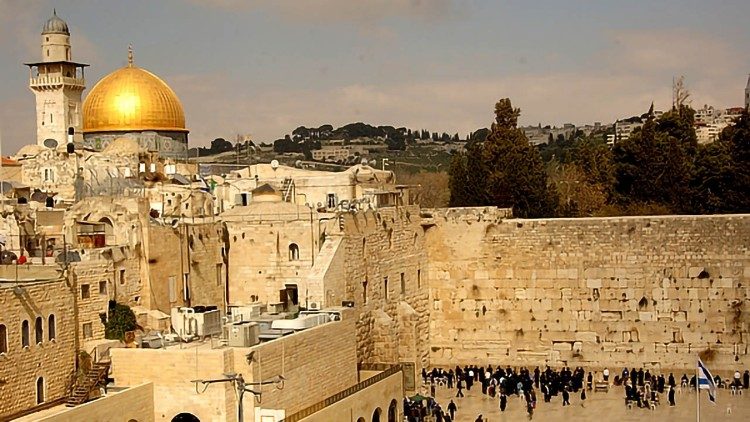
(697, 396)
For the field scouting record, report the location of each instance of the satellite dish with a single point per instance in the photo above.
(50, 143)
(364, 161)
(298, 163)
(274, 164)
(6, 186)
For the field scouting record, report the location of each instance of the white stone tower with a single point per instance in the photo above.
(58, 83)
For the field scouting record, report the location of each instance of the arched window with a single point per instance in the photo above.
(3, 339)
(393, 411)
(51, 327)
(40, 390)
(185, 417)
(293, 252)
(38, 331)
(376, 415)
(25, 333)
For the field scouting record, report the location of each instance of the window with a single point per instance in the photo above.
(103, 287)
(40, 390)
(49, 175)
(385, 288)
(88, 330)
(51, 327)
(122, 276)
(331, 200)
(38, 330)
(172, 289)
(25, 333)
(419, 279)
(186, 287)
(293, 252)
(3, 339)
(219, 268)
(403, 284)
(85, 291)
(364, 292)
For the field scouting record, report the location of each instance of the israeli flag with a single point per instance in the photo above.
(706, 381)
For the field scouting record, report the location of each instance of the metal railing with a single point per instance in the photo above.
(390, 371)
(56, 80)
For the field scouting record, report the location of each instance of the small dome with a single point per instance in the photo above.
(55, 25)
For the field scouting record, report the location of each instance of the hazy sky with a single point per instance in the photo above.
(265, 67)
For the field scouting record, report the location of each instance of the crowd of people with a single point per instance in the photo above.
(642, 388)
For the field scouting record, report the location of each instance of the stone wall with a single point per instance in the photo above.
(636, 291)
(133, 404)
(192, 249)
(51, 359)
(316, 363)
(94, 277)
(382, 248)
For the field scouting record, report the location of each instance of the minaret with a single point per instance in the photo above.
(747, 94)
(58, 83)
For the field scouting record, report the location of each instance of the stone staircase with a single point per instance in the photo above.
(82, 390)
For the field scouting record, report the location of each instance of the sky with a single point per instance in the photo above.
(265, 67)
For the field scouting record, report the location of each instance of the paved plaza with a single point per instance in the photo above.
(599, 407)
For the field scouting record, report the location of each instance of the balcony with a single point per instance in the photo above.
(44, 81)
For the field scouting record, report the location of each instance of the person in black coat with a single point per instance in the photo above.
(565, 397)
(671, 396)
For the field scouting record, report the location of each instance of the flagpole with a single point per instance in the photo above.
(697, 395)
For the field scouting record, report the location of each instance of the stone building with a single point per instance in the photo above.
(37, 338)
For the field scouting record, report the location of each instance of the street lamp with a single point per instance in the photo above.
(242, 387)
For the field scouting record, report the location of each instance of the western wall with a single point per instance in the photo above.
(651, 291)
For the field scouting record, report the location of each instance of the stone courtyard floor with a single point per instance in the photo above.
(600, 407)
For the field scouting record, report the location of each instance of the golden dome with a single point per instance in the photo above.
(132, 99)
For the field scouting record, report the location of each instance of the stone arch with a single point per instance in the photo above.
(376, 415)
(393, 411)
(185, 417)
(361, 419)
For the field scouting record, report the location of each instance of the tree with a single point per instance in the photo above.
(220, 145)
(120, 319)
(430, 189)
(504, 170)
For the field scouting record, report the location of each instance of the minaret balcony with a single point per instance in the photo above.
(54, 81)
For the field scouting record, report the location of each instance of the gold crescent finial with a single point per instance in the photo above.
(130, 55)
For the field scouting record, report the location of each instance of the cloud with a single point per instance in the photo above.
(368, 16)
(619, 82)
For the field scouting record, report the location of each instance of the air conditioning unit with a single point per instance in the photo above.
(200, 321)
(314, 306)
(242, 334)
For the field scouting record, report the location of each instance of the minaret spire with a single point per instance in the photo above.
(130, 55)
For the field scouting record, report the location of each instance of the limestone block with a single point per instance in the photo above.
(587, 336)
(594, 283)
(666, 282)
(592, 272)
(646, 316)
(562, 347)
(520, 294)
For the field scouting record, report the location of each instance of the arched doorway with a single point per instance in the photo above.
(186, 417)
(393, 411)
(376, 415)
(361, 419)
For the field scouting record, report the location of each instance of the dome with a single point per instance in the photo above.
(132, 99)
(55, 25)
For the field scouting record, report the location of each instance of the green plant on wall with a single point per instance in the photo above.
(120, 319)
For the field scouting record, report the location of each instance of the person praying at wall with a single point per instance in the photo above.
(590, 381)
(503, 401)
(606, 375)
(746, 380)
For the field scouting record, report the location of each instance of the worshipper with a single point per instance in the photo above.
(606, 374)
(479, 419)
(452, 408)
(746, 380)
(583, 397)
(671, 396)
(565, 397)
(503, 401)
(671, 380)
(460, 387)
(590, 381)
